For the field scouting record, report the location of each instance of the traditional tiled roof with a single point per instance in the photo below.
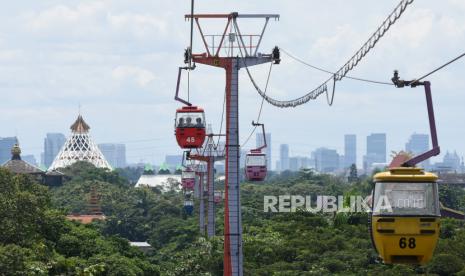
(80, 126)
(20, 166)
(55, 173)
(148, 169)
(16, 165)
(85, 219)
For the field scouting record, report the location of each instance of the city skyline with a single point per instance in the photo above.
(302, 151)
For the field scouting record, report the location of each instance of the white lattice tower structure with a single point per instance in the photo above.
(79, 147)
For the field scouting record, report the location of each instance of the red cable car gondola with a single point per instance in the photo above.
(188, 179)
(255, 166)
(255, 161)
(190, 127)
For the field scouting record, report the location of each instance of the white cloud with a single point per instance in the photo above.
(458, 3)
(141, 25)
(416, 28)
(452, 27)
(60, 15)
(329, 49)
(139, 75)
(92, 21)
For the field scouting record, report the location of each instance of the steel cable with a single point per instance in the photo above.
(437, 69)
(329, 72)
(261, 107)
(348, 66)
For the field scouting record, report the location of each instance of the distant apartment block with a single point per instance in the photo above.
(53, 143)
(376, 150)
(418, 144)
(451, 163)
(115, 154)
(284, 157)
(297, 163)
(6, 144)
(350, 150)
(326, 160)
(294, 164)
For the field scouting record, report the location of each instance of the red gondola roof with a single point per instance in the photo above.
(256, 154)
(189, 109)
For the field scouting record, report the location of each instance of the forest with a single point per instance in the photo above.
(36, 239)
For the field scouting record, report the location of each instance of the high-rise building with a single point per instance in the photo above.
(6, 144)
(294, 164)
(376, 150)
(298, 162)
(418, 144)
(350, 150)
(326, 160)
(53, 143)
(115, 154)
(284, 157)
(452, 161)
(259, 143)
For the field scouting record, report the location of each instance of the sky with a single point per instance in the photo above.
(118, 60)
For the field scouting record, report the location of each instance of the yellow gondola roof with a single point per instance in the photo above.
(405, 174)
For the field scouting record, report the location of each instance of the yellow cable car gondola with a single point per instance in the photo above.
(405, 219)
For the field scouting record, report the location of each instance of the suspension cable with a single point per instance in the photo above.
(261, 107)
(329, 72)
(266, 88)
(330, 102)
(439, 68)
(348, 66)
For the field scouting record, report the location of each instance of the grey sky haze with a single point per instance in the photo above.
(119, 60)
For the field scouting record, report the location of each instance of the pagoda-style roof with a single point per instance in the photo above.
(16, 165)
(80, 126)
(164, 169)
(79, 147)
(148, 169)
